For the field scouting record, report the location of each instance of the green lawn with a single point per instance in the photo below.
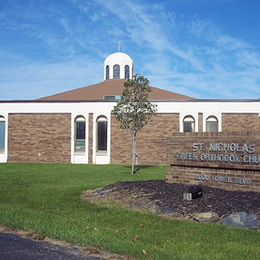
(44, 198)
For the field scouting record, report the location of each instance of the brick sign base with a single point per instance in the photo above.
(226, 160)
(222, 178)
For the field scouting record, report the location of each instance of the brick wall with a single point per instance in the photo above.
(227, 179)
(90, 138)
(200, 123)
(240, 122)
(229, 169)
(39, 138)
(183, 143)
(151, 140)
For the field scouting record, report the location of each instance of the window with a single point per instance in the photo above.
(126, 72)
(2, 133)
(116, 74)
(102, 133)
(188, 124)
(107, 72)
(212, 124)
(80, 134)
(112, 98)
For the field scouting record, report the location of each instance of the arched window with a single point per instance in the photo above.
(116, 72)
(127, 72)
(188, 124)
(102, 133)
(212, 124)
(2, 133)
(80, 134)
(107, 72)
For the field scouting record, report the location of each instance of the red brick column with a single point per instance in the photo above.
(90, 138)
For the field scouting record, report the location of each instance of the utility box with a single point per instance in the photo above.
(196, 191)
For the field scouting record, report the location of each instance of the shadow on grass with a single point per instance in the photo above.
(137, 168)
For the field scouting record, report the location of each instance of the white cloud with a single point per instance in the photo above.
(185, 54)
(34, 80)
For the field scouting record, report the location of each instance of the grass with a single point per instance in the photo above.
(44, 198)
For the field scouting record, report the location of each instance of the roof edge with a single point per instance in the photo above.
(113, 101)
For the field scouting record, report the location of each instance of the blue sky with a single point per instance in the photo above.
(201, 48)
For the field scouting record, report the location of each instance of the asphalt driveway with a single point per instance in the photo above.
(14, 247)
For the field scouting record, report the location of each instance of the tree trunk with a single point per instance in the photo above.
(133, 154)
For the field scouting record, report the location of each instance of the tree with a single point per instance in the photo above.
(135, 109)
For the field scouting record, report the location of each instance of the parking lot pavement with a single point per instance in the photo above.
(14, 247)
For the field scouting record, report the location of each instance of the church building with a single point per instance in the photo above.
(77, 126)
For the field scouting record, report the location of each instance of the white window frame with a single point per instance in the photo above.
(189, 119)
(212, 119)
(101, 119)
(2, 120)
(79, 118)
(116, 71)
(127, 72)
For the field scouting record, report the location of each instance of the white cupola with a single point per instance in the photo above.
(118, 66)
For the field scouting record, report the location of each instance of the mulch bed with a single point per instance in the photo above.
(170, 196)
